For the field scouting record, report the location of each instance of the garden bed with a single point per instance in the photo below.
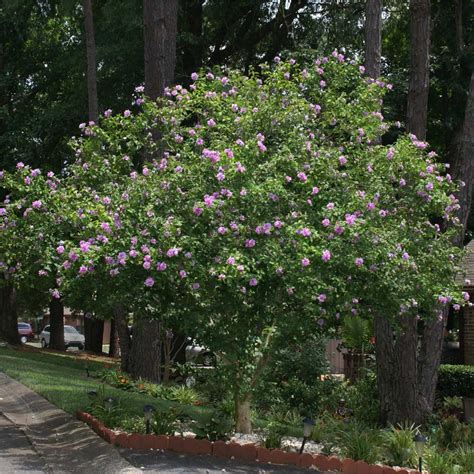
(233, 450)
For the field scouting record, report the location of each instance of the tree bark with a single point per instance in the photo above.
(243, 422)
(121, 323)
(56, 324)
(418, 87)
(8, 314)
(114, 347)
(145, 354)
(93, 333)
(373, 37)
(463, 166)
(160, 30)
(91, 61)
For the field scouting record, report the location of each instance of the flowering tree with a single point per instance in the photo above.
(268, 214)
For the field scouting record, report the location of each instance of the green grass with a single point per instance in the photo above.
(63, 381)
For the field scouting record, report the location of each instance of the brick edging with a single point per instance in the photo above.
(243, 452)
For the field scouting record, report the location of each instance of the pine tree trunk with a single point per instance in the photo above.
(373, 37)
(418, 87)
(91, 61)
(121, 323)
(8, 314)
(93, 333)
(160, 30)
(56, 324)
(145, 355)
(114, 347)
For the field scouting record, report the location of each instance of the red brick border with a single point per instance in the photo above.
(244, 452)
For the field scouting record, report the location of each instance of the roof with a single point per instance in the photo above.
(467, 266)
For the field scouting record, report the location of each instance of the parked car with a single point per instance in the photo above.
(199, 355)
(25, 332)
(72, 338)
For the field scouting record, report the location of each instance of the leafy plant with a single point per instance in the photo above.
(398, 446)
(214, 425)
(164, 422)
(456, 380)
(135, 424)
(359, 442)
(272, 435)
(184, 395)
(356, 333)
(440, 463)
(451, 433)
(464, 458)
(452, 406)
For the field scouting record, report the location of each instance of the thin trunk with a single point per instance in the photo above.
(459, 26)
(56, 324)
(91, 61)
(243, 422)
(121, 323)
(8, 313)
(114, 347)
(145, 355)
(418, 87)
(93, 333)
(373, 37)
(160, 30)
(191, 12)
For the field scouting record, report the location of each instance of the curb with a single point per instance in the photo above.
(247, 452)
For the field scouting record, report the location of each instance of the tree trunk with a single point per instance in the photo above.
(56, 324)
(91, 61)
(191, 21)
(145, 355)
(121, 323)
(243, 422)
(93, 333)
(373, 37)
(160, 29)
(8, 314)
(418, 87)
(114, 347)
(463, 166)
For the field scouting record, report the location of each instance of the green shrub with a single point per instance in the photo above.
(292, 379)
(464, 458)
(272, 435)
(440, 463)
(165, 422)
(456, 381)
(184, 395)
(214, 425)
(398, 446)
(359, 442)
(133, 425)
(451, 433)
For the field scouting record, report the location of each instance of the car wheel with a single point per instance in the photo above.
(208, 360)
(23, 339)
(81, 348)
(43, 343)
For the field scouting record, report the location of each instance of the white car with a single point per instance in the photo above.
(72, 338)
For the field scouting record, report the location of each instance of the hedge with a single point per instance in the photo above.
(456, 380)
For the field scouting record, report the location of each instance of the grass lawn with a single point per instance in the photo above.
(62, 379)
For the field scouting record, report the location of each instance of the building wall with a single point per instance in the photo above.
(468, 335)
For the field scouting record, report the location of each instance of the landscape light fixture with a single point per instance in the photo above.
(148, 411)
(308, 424)
(109, 403)
(420, 442)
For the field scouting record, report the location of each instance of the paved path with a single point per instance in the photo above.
(65, 445)
(16, 452)
(37, 437)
